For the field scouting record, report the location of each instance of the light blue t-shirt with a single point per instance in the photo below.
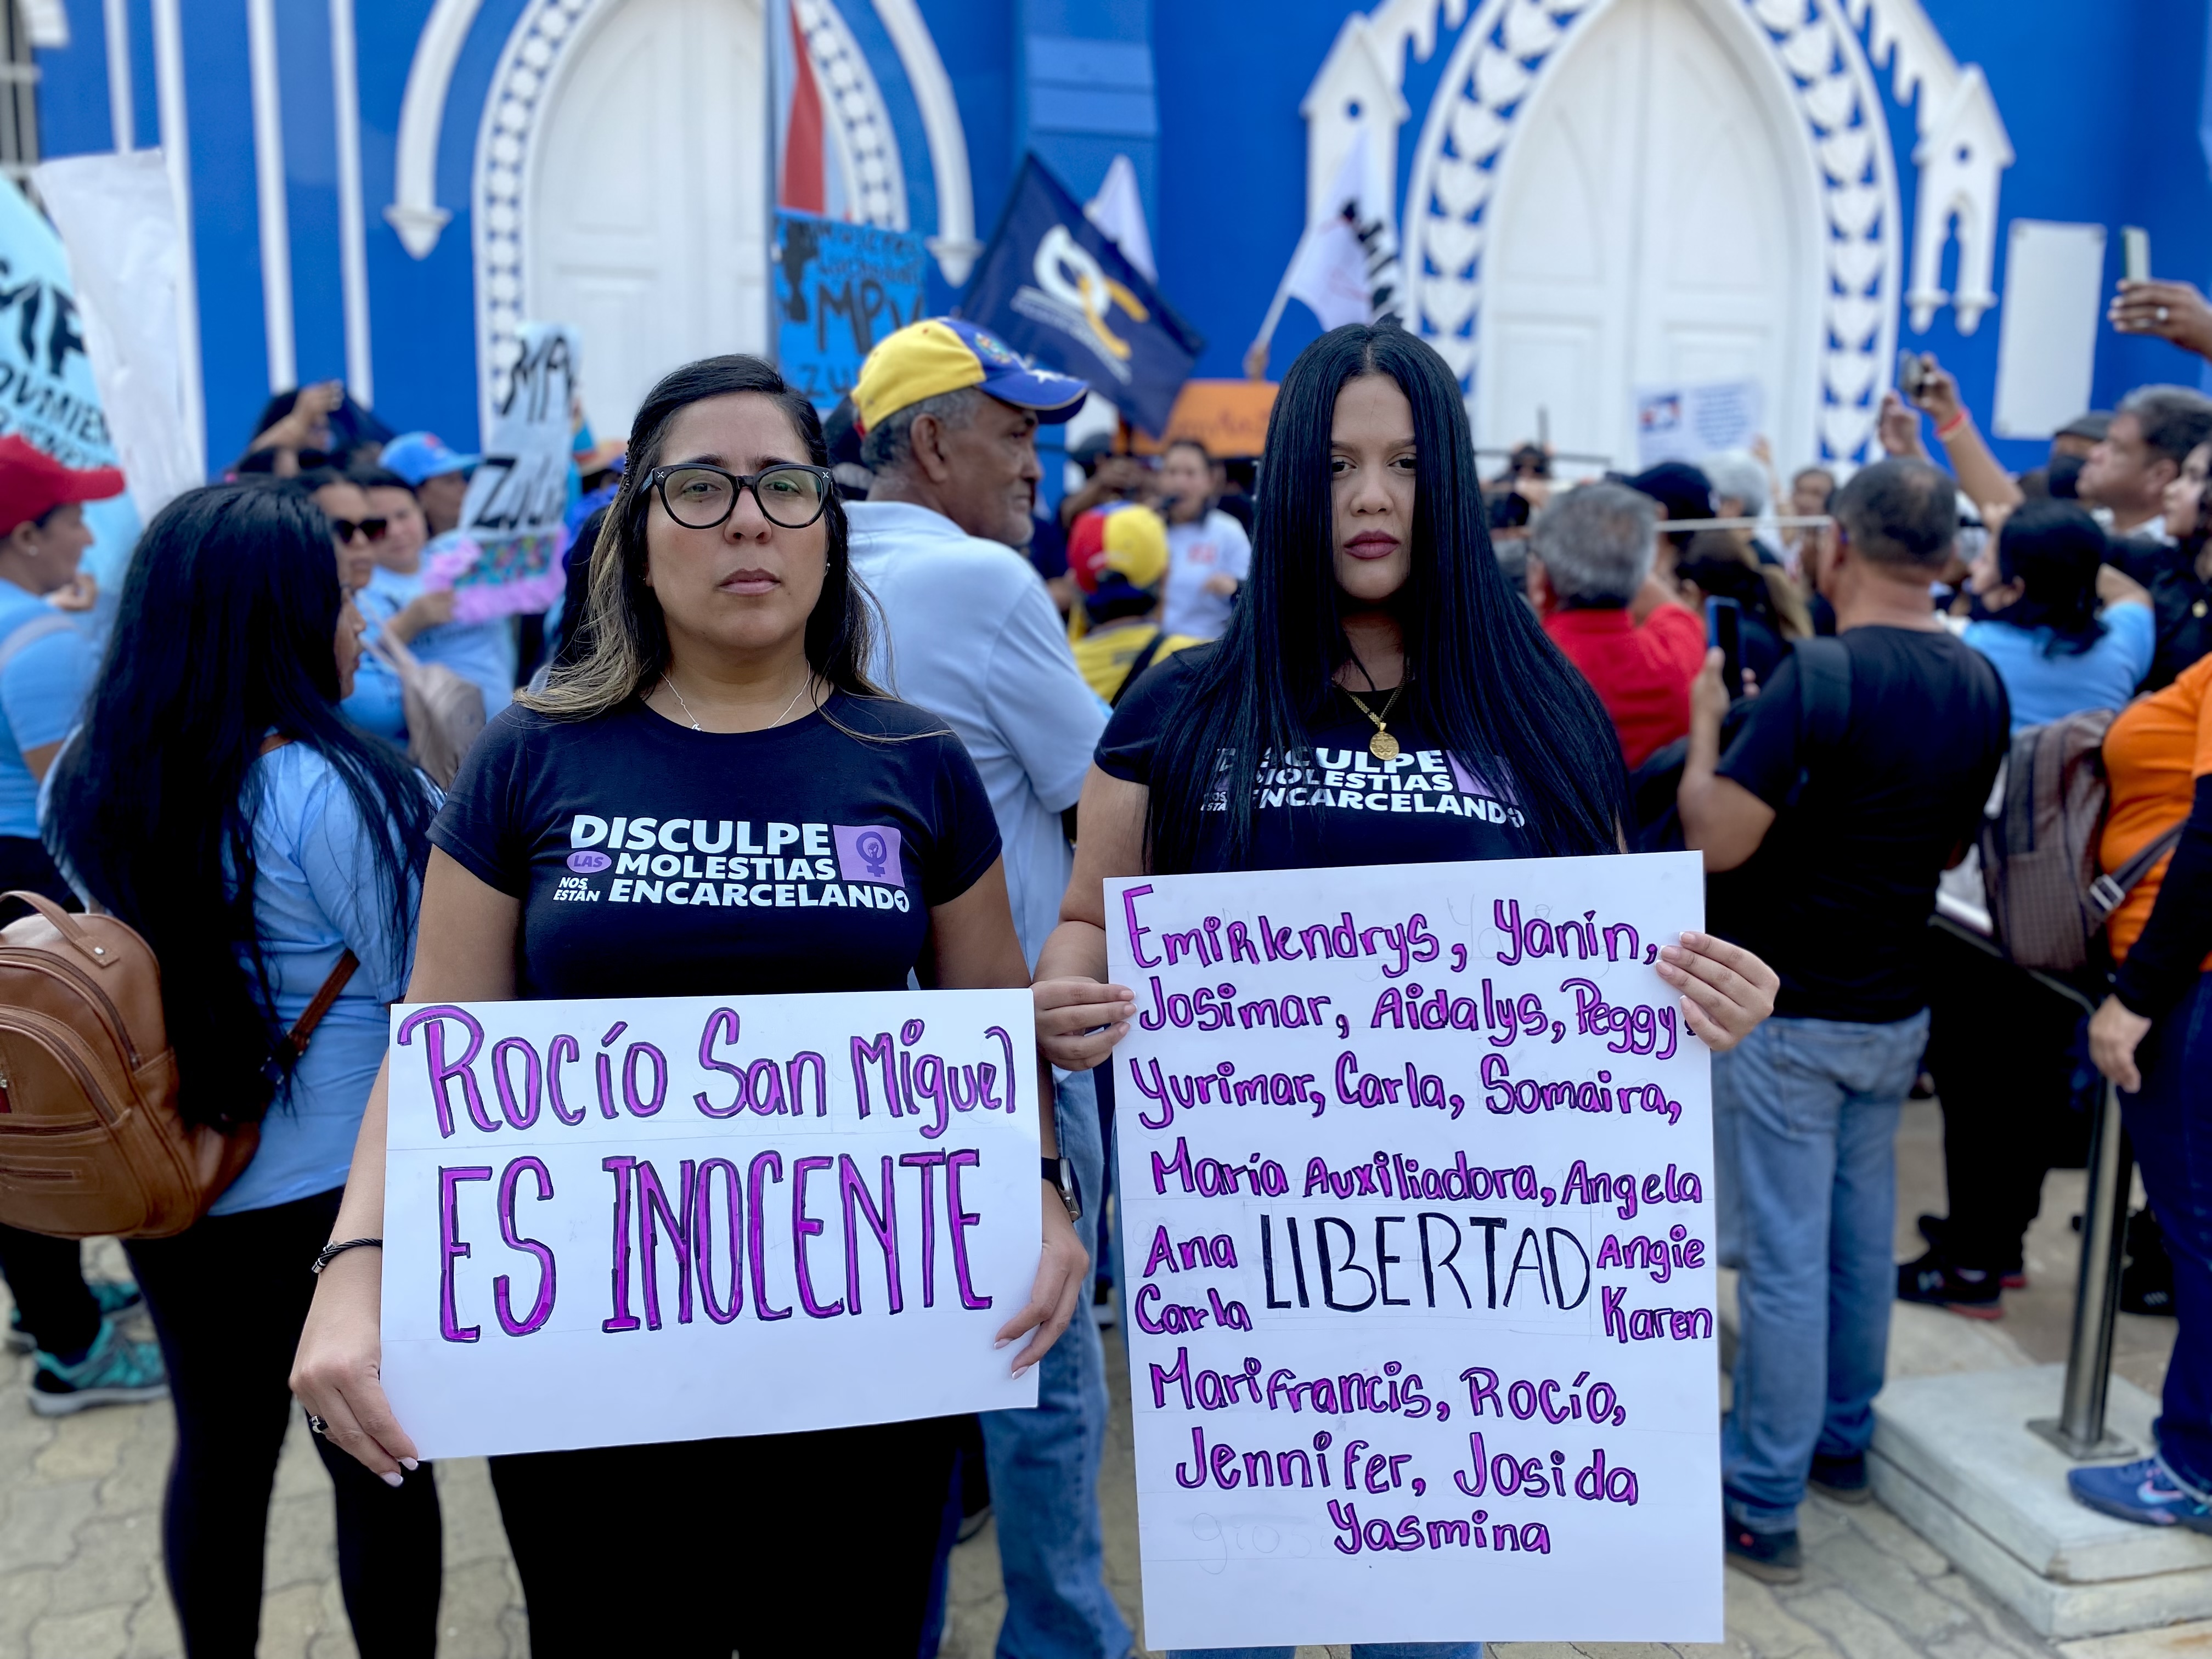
(42, 692)
(377, 704)
(2043, 686)
(482, 653)
(317, 894)
(970, 634)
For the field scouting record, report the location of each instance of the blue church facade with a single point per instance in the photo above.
(1589, 195)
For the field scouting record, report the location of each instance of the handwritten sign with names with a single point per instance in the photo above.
(609, 1223)
(1416, 1169)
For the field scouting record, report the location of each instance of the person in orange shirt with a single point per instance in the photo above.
(2152, 1037)
(1589, 578)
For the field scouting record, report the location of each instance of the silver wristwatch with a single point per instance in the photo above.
(1060, 1173)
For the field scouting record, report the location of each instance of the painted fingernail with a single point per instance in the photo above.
(393, 1478)
(410, 1465)
(1021, 1371)
(1004, 1341)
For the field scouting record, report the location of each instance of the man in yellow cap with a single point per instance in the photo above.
(1125, 637)
(948, 418)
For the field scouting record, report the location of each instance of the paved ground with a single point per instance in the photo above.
(80, 1504)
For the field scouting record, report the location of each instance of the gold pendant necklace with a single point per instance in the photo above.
(1382, 746)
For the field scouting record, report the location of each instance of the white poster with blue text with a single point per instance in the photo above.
(1416, 1170)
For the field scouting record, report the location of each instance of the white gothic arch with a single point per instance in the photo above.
(1466, 141)
(857, 127)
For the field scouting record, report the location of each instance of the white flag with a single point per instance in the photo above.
(1345, 268)
(117, 219)
(1119, 211)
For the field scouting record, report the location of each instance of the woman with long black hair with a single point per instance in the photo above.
(2064, 630)
(1376, 619)
(722, 678)
(216, 801)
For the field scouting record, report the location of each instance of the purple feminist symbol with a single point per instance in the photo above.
(869, 852)
(874, 850)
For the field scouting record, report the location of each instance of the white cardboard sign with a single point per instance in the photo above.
(1416, 1170)
(613, 1222)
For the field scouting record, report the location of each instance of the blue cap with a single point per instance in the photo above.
(420, 456)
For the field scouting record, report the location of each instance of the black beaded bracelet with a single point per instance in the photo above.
(330, 1253)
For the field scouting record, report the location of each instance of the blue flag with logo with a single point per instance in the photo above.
(1054, 286)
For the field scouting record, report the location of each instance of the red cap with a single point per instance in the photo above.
(34, 484)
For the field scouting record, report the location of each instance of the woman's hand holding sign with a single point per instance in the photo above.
(1726, 990)
(334, 1376)
(1079, 1021)
(1063, 1269)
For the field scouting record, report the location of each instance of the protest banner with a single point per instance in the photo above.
(840, 289)
(1416, 1169)
(613, 1222)
(504, 557)
(117, 217)
(48, 394)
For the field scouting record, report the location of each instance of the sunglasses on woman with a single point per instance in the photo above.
(368, 529)
(701, 497)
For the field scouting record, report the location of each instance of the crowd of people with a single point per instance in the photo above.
(880, 617)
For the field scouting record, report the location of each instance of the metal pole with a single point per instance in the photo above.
(2079, 1429)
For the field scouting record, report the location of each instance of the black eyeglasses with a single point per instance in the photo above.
(703, 497)
(369, 530)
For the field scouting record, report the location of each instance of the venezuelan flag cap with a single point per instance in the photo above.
(944, 353)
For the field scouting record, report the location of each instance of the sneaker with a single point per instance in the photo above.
(2144, 1491)
(1772, 1557)
(113, 1295)
(1843, 1479)
(1963, 1290)
(2016, 1273)
(115, 1371)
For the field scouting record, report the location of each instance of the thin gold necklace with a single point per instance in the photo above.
(772, 725)
(1382, 746)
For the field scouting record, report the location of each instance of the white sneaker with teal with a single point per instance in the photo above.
(115, 1371)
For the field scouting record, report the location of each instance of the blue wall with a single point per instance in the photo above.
(2104, 106)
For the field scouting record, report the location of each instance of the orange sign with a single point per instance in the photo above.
(1229, 417)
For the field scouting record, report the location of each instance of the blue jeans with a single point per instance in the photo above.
(1044, 1463)
(1359, 1650)
(2171, 1124)
(1805, 1126)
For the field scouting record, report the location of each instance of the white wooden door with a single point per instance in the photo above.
(648, 195)
(1655, 227)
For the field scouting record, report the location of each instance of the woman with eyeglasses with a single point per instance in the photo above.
(721, 681)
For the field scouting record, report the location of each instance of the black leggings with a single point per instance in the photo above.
(229, 1296)
(781, 1547)
(2000, 1049)
(46, 1277)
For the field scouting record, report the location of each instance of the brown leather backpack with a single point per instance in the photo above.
(2049, 896)
(91, 1141)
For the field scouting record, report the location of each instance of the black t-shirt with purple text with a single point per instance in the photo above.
(1333, 803)
(654, 860)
